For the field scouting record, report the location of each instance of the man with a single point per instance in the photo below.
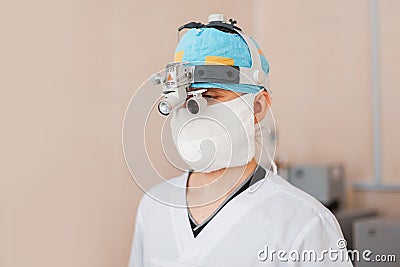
(236, 212)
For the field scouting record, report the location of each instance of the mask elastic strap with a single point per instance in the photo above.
(273, 165)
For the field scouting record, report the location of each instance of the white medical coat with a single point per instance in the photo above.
(277, 216)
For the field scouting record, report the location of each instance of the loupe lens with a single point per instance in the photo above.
(193, 106)
(164, 108)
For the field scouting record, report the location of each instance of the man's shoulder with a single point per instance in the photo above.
(290, 200)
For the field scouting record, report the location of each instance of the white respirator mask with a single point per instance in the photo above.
(219, 136)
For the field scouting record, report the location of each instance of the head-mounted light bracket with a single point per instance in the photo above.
(178, 76)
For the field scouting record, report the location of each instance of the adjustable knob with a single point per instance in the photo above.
(259, 76)
(216, 17)
(156, 79)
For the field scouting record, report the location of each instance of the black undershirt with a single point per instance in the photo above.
(256, 176)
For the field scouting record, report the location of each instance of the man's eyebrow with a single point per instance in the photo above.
(218, 92)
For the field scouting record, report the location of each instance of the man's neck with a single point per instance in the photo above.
(235, 173)
(220, 182)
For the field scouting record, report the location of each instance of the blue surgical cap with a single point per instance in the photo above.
(209, 45)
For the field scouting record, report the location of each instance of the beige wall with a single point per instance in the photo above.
(320, 55)
(69, 69)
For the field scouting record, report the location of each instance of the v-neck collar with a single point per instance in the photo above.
(258, 174)
(190, 247)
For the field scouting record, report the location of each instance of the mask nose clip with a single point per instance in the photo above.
(197, 102)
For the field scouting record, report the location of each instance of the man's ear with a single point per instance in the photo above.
(262, 102)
